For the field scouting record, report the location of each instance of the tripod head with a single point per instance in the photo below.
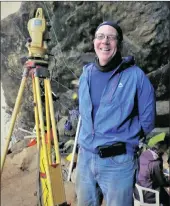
(36, 45)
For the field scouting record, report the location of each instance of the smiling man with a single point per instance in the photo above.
(106, 43)
(117, 108)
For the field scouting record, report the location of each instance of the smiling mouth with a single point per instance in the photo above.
(104, 49)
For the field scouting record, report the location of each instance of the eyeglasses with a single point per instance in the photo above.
(101, 36)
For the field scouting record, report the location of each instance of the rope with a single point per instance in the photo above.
(62, 85)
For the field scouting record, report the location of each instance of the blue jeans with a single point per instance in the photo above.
(115, 176)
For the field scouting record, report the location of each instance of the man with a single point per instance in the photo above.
(117, 107)
(151, 172)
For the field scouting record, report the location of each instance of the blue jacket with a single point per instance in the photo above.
(127, 109)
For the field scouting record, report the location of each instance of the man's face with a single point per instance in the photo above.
(105, 43)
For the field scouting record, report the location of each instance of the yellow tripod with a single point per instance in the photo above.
(50, 173)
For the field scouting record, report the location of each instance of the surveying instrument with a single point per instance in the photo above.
(50, 173)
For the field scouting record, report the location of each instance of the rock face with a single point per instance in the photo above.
(146, 36)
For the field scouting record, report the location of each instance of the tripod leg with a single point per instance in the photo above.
(53, 122)
(36, 113)
(56, 173)
(48, 125)
(44, 148)
(38, 141)
(13, 118)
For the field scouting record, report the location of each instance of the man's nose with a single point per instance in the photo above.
(105, 39)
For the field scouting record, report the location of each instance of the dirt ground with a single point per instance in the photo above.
(19, 180)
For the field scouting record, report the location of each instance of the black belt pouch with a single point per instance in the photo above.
(112, 150)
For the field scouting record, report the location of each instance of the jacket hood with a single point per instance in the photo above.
(129, 60)
(126, 63)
